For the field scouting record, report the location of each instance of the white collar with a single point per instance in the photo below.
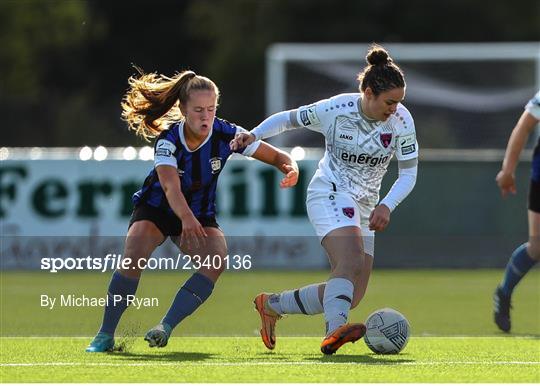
(183, 139)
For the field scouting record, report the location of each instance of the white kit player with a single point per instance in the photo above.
(362, 131)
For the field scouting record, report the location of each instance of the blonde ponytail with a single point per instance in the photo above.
(151, 103)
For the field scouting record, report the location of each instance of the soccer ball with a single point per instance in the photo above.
(387, 331)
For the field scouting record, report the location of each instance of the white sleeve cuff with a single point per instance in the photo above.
(250, 149)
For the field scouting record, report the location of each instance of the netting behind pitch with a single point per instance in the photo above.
(455, 104)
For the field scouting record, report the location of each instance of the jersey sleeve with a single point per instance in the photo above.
(250, 149)
(166, 149)
(313, 116)
(406, 143)
(533, 107)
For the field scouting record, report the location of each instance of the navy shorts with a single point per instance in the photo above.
(534, 196)
(167, 223)
(534, 187)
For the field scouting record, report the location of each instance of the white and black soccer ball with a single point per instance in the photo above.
(387, 331)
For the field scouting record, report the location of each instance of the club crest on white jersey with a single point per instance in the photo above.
(358, 150)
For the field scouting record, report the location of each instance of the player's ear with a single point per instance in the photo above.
(368, 92)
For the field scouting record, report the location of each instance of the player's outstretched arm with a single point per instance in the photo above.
(506, 176)
(271, 126)
(281, 160)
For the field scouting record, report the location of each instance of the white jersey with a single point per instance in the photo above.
(533, 107)
(358, 149)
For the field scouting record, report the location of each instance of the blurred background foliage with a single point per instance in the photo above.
(64, 64)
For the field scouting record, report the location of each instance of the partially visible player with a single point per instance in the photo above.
(362, 131)
(177, 199)
(526, 255)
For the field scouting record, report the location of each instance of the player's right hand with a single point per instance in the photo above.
(241, 140)
(193, 234)
(379, 218)
(506, 182)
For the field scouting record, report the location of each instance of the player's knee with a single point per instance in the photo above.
(142, 238)
(220, 268)
(219, 260)
(352, 266)
(137, 253)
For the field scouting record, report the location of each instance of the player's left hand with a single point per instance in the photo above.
(291, 176)
(379, 218)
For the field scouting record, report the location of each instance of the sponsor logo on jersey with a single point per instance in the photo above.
(308, 116)
(349, 212)
(304, 118)
(346, 136)
(363, 158)
(215, 164)
(407, 139)
(408, 149)
(164, 148)
(162, 152)
(386, 139)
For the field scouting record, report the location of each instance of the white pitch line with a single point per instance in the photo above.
(236, 364)
(281, 337)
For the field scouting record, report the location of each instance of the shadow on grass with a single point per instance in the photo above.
(271, 355)
(168, 356)
(370, 359)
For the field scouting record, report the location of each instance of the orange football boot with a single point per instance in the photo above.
(268, 320)
(349, 332)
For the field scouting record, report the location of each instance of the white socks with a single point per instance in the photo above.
(336, 305)
(300, 301)
(337, 300)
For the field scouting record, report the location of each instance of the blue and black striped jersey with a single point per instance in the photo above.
(198, 169)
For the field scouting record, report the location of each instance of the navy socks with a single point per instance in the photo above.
(519, 264)
(192, 294)
(119, 288)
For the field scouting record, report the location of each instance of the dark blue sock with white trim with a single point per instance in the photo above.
(193, 293)
(519, 264)
(120, 286)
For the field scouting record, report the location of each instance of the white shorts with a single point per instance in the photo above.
(329, 210)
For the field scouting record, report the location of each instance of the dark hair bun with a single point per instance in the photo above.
(377, 56)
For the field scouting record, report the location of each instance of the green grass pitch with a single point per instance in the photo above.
(453, 336)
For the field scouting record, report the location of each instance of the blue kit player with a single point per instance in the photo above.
(177, 199)
(526, 255)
